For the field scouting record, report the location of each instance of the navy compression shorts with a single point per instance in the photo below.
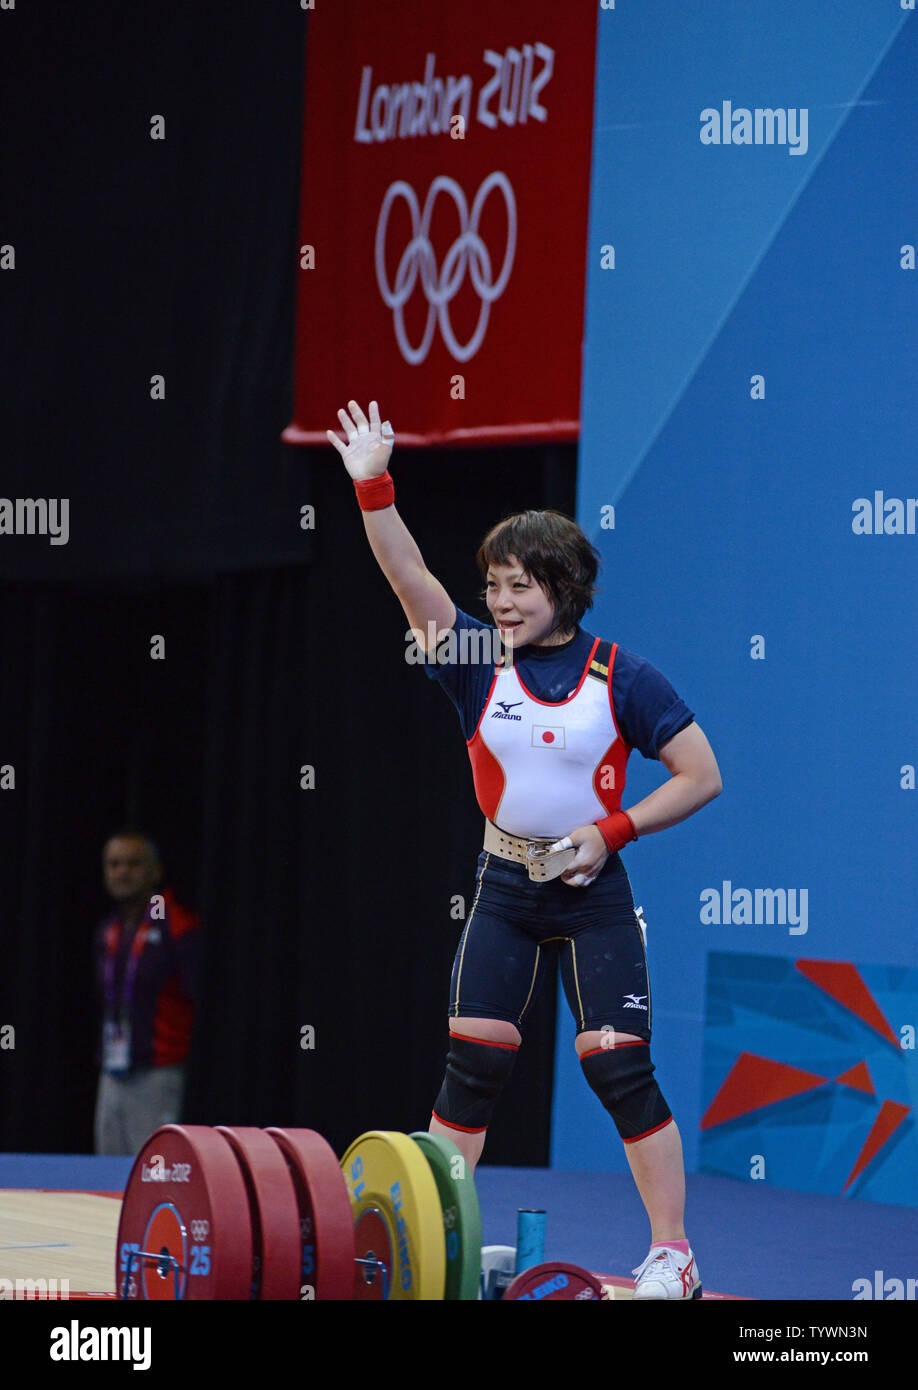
(516, 929)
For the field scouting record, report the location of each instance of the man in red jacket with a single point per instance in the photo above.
(147, 967)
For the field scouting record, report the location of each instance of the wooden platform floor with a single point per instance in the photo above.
(65, 1241)
(60, 1236)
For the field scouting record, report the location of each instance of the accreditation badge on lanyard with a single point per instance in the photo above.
(116, 1030)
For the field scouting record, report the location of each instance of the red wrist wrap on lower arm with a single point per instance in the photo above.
(617, 830)
(375, 493)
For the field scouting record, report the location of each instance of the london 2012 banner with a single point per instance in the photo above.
(444, 203)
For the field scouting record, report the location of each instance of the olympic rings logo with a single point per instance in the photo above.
(468, 252)
(200, 1230)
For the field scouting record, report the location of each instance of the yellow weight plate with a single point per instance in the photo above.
(387, 1174)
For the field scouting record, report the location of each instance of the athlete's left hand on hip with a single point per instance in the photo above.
(592, 853)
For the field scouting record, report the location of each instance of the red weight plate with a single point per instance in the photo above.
(326, 1224)
(372, 1241)
(164, 1279)
(273, 1210)
(547, 1282)
(185, 1205)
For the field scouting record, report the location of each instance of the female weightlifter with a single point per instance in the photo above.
(549, 730)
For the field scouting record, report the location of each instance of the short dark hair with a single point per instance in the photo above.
(554, 552)
(144, 839)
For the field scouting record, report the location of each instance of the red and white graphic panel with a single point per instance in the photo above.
(443, 219)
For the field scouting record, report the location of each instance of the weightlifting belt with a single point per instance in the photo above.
(542, 862)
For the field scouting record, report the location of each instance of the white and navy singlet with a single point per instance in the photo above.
(549, 739)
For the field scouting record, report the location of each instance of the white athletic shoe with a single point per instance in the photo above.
(667, 1273)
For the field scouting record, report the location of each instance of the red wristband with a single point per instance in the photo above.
(375, 493)
(617, 830)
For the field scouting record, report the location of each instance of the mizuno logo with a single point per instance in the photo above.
(632, 1001)
(506, 706)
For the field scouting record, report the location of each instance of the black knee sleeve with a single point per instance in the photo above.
(623, 1079)
(476, 1073)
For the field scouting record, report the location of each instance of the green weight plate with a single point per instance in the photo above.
(461, 1214)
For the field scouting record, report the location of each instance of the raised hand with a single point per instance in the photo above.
(369, 444)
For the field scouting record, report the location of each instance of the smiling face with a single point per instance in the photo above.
(520, 607)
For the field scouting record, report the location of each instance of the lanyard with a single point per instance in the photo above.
(113, 939)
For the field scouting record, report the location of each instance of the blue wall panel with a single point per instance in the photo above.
(734, 516)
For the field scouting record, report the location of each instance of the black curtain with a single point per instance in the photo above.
(330, 908)
(326, 908)
(146, 266)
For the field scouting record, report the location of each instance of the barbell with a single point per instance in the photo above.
(236, 1212)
